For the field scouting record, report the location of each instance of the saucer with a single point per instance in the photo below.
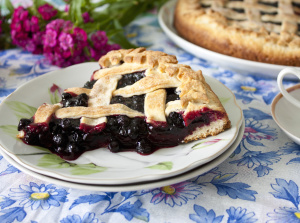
(287, 115)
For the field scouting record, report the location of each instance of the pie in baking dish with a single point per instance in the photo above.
(138, 100)
(259, 30)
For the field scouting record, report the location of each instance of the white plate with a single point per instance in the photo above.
(101, 166)
(135, 186)
(287, 115)
(165, 18)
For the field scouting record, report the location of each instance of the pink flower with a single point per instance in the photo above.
(38, 37)
(80, 37)
(47, 11)
(86, 17)
(65, 41)
(31, 25)
(67, 8)
(55, 24)
(20, 13)
(30, 46)
(99, 39)
(50, 38)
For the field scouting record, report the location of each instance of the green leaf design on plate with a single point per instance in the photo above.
(21, 109)
(206, 143)
(86, 169)
(224, 100)
(54, 161)
(11, 130)
(162, 166)
(54, 97)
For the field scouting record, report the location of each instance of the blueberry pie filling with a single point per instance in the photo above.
(160, 105)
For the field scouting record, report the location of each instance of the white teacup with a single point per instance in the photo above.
(281, 75)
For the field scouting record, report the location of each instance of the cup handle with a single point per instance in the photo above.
(280, 77)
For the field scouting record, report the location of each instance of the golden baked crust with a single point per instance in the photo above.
(161, 71)
(266, 31)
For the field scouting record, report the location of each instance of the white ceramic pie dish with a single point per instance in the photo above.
(101, 166)
(287, 115)
(246, 67)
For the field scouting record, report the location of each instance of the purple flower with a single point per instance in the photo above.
(65, 41)
(99, 39)
(20, 13)
(67, 8)
(86, 17)
(30, 46)
(80, 38)
(47, 11)
(55, 24)
(32, 25)
(176, 194)
(38, 37)
(50, 38)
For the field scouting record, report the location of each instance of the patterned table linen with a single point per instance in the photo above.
(259, 182)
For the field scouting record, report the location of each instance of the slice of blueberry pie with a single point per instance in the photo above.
(138, 100)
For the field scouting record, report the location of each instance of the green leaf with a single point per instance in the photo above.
(120, 38)
(54, 161)
(11, 130)
(224, 100)
(162, 166)
(54, 97)
(8, 5)
(86, 169)
(75, 11)
(21, 109)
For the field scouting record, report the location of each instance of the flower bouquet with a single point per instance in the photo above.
(82, 31)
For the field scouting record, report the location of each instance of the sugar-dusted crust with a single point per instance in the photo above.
(161, 71)
(218, 28)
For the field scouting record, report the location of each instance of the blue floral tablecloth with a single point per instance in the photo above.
(258, 183)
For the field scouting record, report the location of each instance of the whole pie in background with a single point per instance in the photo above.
(138, 100)
(259, 30)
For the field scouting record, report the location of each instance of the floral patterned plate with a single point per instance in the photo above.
(101, 166)
(167, 184)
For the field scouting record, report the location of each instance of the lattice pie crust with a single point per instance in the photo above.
(259, 30)
(161, 72)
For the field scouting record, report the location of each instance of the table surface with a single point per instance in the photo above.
(259, 182)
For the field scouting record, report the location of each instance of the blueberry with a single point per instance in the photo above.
(59, 150)
(133, 132)
(66, 96)
(113, 146)
(65, 123)
(23, 123)
(123, 120)
(89, 84)
(143, 147)
(45, 139)
(123, 131)
(76, 137)
(71, 149)
(176, 119)
(59, 139)
(31, 138)
(84, 96)
(172, 97)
